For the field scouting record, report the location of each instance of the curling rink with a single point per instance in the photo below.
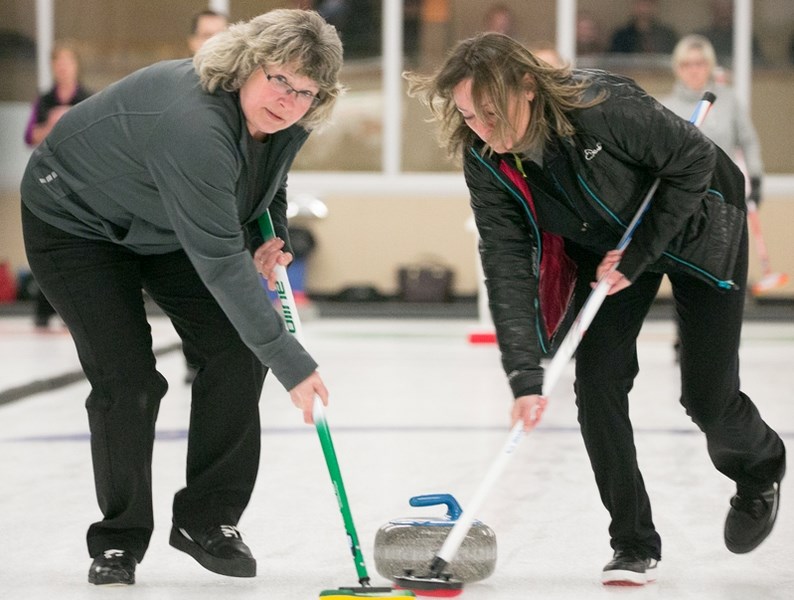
(414, 410)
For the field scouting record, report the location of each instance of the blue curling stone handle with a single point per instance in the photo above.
(453, 508)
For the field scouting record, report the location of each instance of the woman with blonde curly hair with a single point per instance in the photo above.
(153, 185)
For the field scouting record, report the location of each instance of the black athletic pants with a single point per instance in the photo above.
(740, 444)
(96, 288)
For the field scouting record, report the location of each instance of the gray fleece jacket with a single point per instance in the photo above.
(156, 164)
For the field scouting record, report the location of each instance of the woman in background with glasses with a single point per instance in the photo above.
(729, 125)
(152, 185)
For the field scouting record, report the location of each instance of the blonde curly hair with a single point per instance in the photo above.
(301, 39)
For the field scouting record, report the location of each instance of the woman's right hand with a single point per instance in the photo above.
(303, 394)
(528, 409)
(267, 256)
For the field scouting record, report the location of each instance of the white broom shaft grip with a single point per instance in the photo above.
(289, 309)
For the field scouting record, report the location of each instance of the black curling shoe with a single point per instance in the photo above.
(219, 549)
(629, 568)
(113, 567)
(751, 518)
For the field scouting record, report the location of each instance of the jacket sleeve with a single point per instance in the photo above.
(649, 137)
(507, 253)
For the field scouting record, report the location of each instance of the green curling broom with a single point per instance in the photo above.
(289, 311)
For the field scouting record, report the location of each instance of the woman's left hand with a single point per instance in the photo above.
(616, 280)
(267, 256)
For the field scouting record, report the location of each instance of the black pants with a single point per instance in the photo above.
(96, 288)
(740, 444)
(43, 310)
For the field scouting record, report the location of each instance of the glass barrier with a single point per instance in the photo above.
(122, 36)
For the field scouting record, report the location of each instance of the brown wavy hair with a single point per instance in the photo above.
(500, 68)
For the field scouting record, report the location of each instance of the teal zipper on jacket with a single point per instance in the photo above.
(721, 283)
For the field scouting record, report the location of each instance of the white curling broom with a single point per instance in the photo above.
(289, 311)
(770, 280)
(438, 583)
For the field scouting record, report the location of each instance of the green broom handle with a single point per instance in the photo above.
(339, 488)
(292, 320)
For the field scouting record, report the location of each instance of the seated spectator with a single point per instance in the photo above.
(336, 12)
(589, 39)
(644, 33)
(205, 24)
(720, 33)
(499, 19)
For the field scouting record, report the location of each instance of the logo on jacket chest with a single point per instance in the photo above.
(589, 153)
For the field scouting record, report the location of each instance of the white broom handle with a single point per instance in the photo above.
(466, 518)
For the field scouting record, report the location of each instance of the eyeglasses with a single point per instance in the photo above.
(282, 86)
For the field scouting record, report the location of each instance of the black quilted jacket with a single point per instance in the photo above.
(694, 222)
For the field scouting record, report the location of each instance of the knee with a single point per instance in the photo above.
(604, 379)
(140, 396)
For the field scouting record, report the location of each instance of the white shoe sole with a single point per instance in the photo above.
(628, 578)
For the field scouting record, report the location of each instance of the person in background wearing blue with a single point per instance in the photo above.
(557, 162)
(151, 185)
(48, 108)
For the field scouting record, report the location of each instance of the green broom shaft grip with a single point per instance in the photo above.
(266, 226)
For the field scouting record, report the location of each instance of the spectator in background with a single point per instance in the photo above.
(644, 33)
(728, 126)
(47, 109)
(205, 24)
(65, 93)
(412, 29)
(499, 19)
(720, 33)
(336, 12)
(589, 39)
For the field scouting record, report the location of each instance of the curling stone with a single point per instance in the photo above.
(409, 544)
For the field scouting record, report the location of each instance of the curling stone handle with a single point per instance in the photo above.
(453, 508)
